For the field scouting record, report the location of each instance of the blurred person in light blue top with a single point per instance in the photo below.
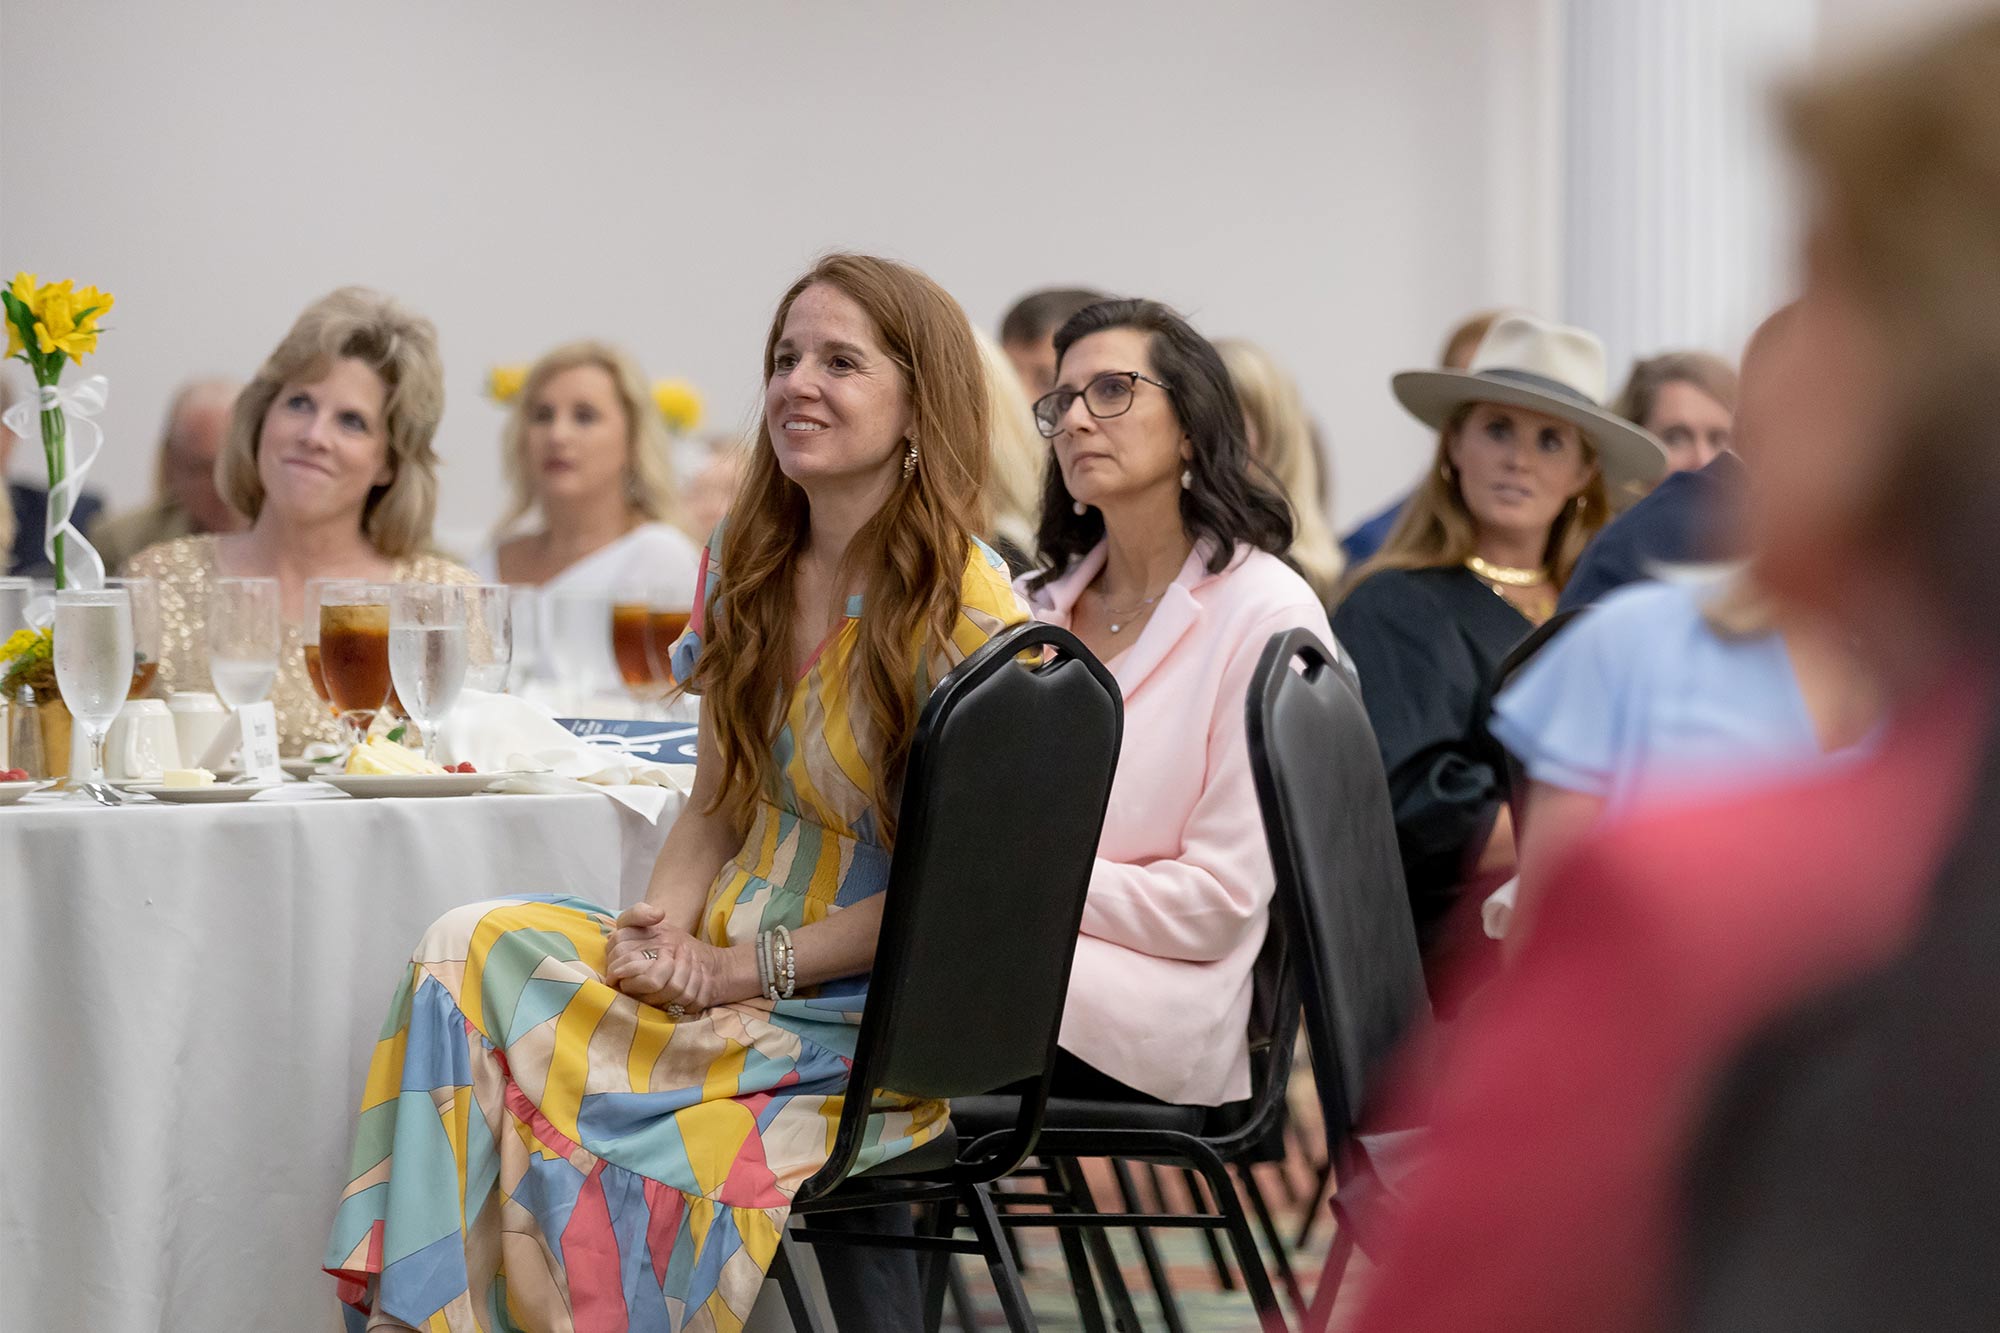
(1668, 691)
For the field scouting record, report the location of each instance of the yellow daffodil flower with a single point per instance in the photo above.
(679, 404)
(504, 383)
(22, 289)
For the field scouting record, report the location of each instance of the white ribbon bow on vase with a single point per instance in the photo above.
(79, 403)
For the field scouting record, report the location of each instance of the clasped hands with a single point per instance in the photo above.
(686, 971)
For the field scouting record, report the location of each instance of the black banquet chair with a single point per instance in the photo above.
(1002, 807)
(1344, 911)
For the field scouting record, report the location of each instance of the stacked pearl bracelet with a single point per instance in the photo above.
(777, 964)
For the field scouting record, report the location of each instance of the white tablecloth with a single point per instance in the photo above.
(188, 1004)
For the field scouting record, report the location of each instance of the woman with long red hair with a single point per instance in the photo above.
(569, 1111)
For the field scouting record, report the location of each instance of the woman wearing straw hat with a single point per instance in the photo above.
(1525, 455)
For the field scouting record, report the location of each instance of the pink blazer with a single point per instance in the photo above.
(1160, 995)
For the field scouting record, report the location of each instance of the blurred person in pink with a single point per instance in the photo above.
(1567, 1115)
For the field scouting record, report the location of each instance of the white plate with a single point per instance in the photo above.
(306, 768)
(11, 792)
(220, 793)
(411, 784)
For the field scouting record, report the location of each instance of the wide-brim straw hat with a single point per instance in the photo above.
(1530, 363)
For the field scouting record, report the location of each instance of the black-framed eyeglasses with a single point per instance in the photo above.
(1109, 395)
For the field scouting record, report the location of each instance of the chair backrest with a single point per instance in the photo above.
(1340, 893)
(1009, 776)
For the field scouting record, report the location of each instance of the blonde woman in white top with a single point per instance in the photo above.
(586, 455)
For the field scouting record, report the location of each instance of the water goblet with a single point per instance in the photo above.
(243, 638)
(93, 652)
(489, 643)
(427, 653)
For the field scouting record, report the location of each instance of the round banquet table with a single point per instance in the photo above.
(190, 999)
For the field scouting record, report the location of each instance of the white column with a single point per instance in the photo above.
(1677, 212)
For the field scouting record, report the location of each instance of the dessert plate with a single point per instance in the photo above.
(11, 792)
(411, 784)
(220, 793)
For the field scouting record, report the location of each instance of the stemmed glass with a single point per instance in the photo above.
(309, 634)
(145, 595)
(354, 651)
(489, 644)
(579, 641)
(15, 594)
(427, 654)
(94, 666)
(242, 639)
(631, 644)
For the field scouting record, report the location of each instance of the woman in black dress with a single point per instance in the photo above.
(1524, 458)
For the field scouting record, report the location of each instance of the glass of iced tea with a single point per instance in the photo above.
(354, 650)
(309, 631)
(145, 595)
(630, 621)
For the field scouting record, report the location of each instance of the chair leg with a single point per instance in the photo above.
(1323, 1179)
(941, 1269)
(1224, 1278)
(1326, 1293)
(999, 1259)
(1097, 1242)
(1076, 1260)
(1279, 1258)
(799, 1303)
(1269, 1317)
(1170, 1309)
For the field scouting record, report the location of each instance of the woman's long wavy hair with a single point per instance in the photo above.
(1437, 530)
(1229, 501)
(909, 559)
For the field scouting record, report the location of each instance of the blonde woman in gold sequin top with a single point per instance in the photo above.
(329, 454)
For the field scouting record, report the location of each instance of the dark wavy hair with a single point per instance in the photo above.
(1227, 502)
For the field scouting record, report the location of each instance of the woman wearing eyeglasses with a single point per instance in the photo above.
(1161, 553)
(1524, 455)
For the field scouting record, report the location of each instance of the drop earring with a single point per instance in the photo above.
(910, 461)
(1079, 508)
(1187, 478)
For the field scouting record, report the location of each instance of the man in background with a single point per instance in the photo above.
(1028, 332)
(184, 500)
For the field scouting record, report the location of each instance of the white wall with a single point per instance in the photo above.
(1311, 174)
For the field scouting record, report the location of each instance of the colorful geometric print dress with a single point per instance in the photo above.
(538, 1151)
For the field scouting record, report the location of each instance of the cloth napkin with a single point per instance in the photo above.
(503, 733)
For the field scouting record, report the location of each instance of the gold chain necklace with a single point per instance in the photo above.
(1506, 574)
(1116, 621)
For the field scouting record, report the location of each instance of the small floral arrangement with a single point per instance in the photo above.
(504, 383)
(50, 324)
(54, 319)
(28, 658)
(679, 405)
